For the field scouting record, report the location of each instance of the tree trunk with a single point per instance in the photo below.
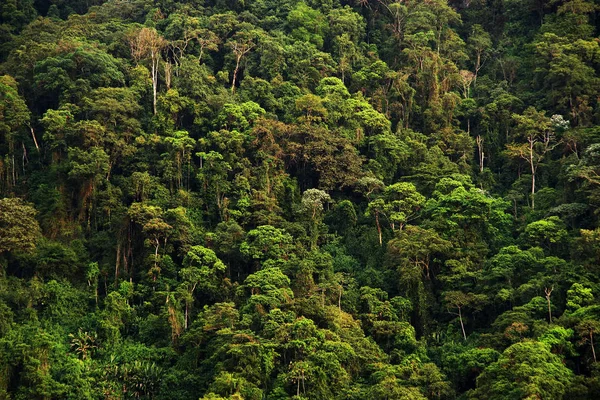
(592, 344)
(532, 165)
(34, 138)
(185, 322)
(548, 294)
(533, 191)
(480, 151)
(117, 263)
(462, 325)
(154, 81)
(378, 228)
(235, 72)
(156, 253)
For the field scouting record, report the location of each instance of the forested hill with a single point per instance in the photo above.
(299, 199)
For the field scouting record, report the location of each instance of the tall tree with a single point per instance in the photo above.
(146, 43)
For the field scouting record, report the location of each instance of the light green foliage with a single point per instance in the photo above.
(473, 218)
(525, 370)
(312, 205)
(14, 114)
(268, 289)
(19, 229)
(548, 233)
(266, 242)
(307, 24)
(202, 269)
(239, 116)
(578, 296)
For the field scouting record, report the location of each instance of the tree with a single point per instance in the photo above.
(150, 218)
(14, 117)
(201, 269)
(470, 217)
(312, 203)
(536, 129)
(586, 330)
(480, 44)
(402, 202)
(180, 149)
(241, 44)
(148, 43)
(413, 254)
(548, 233)
(19, 230)
(399, 204)
(267, 242)
(525, 370)
(460, 301)
(268, 289)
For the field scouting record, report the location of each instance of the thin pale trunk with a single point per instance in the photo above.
(462, 325)
(24, 158)
(533, 191)
(235, 72)
(117, 263)
(378, 228)
(156, 253)
(154, 81)
(592, 343)
(477, 67)
(14, 174)
(168, 70)
(185, 323)
(532, 165)
(480, 151)
(34, 138)
(548, 294)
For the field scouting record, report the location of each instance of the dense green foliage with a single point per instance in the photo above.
(299, 199)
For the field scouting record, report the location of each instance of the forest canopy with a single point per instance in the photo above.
(299, 199)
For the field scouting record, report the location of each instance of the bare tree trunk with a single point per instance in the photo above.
(462, 325)
(154, 80)
(117, 263)
(235, 72)
(533, 191)
(532, 165)
(480, 151)
(34, 138)
(185, 323)
(156, 253)
(14, 174)
(378, 228)
(548, 294)
(168, 71)
(592, 344)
